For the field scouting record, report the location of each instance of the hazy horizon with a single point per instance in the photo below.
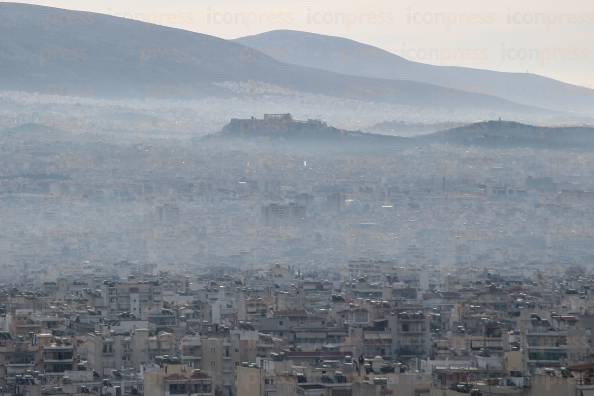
(545, 39)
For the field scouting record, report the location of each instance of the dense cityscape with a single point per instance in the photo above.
(366, 327)
(228, 210)
(246, 267)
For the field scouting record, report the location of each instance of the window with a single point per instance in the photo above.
(201, 388)
(177, 389)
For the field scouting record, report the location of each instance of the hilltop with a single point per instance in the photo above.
(51, 50)
(342, 55)
(487, 134)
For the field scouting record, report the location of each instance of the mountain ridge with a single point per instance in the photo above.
(52, 50)
(487, 134)
(511, 134)
(343, 55)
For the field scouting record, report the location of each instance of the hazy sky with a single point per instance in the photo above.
(550, 37)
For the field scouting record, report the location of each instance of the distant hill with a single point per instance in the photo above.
(346, 56)
(283, 128)
(489, 134)
(507, 134)
(52, 50)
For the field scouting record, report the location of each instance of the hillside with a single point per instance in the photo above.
(488, 134)
(283, 128)
(507, 134)
(346, 56)
(52, 50)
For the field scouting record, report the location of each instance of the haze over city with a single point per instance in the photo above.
(298, 198)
